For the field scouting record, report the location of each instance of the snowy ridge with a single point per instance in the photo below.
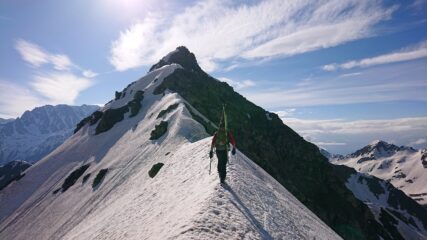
(401, 166)
(182, 201)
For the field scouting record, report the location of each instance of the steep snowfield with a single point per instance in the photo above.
(378, 196)
(181, 202)
(401, 166)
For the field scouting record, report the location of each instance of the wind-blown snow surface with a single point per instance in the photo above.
(181, 202)
(401, 166)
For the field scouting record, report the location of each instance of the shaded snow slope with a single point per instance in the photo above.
(401, 166)
(182, 201)
(392, 208)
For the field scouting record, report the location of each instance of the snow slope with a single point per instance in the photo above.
(181, 202)
(401, 166)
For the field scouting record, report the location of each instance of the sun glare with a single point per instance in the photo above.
(124, 8)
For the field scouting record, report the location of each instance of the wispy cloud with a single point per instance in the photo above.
(407, 54)
(31, 53)
(262, 30)
(330, 143)
(357, 127)
(344, 136)
(387, 83)
(419, 141)
(350, 74)
(286, 113)
(238, 84)
(36, 56)
(418, 5)
(89, 73)
(56, 83)
(60, 87)
(15, 99)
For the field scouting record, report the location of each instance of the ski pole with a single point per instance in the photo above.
(210, 165)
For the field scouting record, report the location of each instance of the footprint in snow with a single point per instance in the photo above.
(216, 212)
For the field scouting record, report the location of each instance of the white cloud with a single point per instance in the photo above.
(418, 5)
(37, 56)
(220, 30)
(15, 100)
(56, 84)
(89, 73)
(286, 113)
(60, 87)
(31, 53)
(343, 136)
(340, 126)
(330, 143)
(407, 54)
(238, 85)
(405, 81)
(60, 62)
(350, 74)
(418, 142)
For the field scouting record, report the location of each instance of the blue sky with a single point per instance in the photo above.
(340, 73)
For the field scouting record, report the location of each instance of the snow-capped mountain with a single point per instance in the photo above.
(138, 168)
(404, 167)
(181, 201)
(12, 171)
(4, 121)
(37, 132)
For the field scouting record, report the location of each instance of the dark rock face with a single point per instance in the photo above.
(12, 171)
(159, 130)
(155, 169)
(110, 117)
(424, 158)
(296, 164)
(167, 110)
(99, 178)
(181, 56)
(73, 177)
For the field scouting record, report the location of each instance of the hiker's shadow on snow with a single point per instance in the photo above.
(247, 213)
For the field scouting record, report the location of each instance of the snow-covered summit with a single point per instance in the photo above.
(378, 149)
(123, 176)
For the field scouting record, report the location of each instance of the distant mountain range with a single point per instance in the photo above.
(381, 174)
(404, 167)
(39, 131)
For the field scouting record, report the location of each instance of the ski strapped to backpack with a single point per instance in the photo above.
(222, 141)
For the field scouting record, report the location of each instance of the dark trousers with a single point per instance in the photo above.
(222, 163)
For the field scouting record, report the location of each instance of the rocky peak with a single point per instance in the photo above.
(182, 56)
(377, 149)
